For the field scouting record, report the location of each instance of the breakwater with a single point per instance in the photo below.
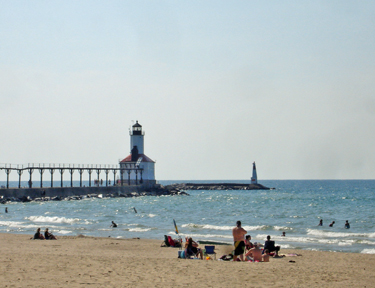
(146, 189)
(77, 193)
(217, 186)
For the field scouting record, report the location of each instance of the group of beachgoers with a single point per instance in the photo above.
(244, 250)
(346, 226)
(47, 235)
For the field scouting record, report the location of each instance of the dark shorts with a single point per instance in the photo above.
(240, 249)
(192, 251)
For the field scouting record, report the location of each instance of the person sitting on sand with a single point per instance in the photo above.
(49, 236)
(191, 248)
(320, 222)
(113, 225)
(38, 235)
(266, 255)
(270, 246)
(347, 225)
(331, 225)
(248, 244)
(254, 254)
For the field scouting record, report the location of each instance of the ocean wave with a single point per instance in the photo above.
(368, 251)
(63, 232)
(11, 223)
(206, 226)
(204, 235)
(223, 228)
(18, 225)
(139, 229)
(323, 233)
(47, 219)
(282, 228)
(366, 242)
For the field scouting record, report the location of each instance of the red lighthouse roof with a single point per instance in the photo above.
(144, 158)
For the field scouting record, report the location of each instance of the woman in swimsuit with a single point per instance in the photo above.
(191, 248)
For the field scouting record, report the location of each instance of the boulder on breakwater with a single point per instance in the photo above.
(77, 193)
(217, 186)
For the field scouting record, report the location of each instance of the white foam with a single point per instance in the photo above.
(368, 251)
(11, 224)
(206, 235)
(63, 232)
(213, 227)
(151, 215)
(223, 228)
(323, 233)
(47, 219)
(139, 229)
(366, 242)
(253, 228)
(282, 228)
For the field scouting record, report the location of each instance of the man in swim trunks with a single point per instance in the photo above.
(239, 241)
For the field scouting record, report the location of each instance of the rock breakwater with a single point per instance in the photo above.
(217, 186)
(77, 193)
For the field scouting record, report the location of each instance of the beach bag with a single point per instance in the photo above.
(181, 254)
(228, 257)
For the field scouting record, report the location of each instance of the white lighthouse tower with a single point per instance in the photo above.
(254, 178)
(139, 167)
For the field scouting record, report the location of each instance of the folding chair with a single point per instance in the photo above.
(209, 250)
(165, 243)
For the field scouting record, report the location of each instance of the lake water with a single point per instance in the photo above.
(295, 206)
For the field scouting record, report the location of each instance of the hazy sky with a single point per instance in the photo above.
(215, 84)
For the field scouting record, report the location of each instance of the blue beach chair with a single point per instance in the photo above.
(210, 251)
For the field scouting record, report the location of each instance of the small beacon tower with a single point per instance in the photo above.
(254, 179)
(138, 160)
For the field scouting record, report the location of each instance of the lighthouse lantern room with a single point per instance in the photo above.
(138, 160)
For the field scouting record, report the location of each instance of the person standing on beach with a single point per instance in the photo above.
(239, 241)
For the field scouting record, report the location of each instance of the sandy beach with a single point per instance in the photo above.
(110, 262)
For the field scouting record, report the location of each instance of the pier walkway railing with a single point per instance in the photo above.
(72, 168)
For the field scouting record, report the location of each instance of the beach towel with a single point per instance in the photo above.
(170, 241)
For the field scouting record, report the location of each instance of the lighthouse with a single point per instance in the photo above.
(140, 168)
(254, 179)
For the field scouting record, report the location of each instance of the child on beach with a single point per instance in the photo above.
(266, 256)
